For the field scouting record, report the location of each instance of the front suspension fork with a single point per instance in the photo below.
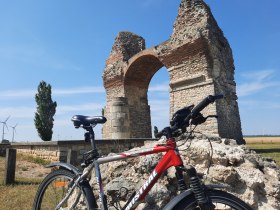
(198, 189)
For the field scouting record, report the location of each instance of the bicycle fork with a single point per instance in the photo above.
(69, 193)
(200, 194)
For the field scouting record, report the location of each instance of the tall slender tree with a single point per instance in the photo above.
(46, 109)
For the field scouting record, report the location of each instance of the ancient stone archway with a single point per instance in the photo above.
(199, 61)
(137, 77)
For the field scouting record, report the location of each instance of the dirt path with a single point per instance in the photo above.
(25, 169)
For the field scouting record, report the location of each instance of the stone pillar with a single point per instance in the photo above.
(72, 157)
(120, 118)
(140, 118)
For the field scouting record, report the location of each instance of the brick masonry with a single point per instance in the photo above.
(199, 61)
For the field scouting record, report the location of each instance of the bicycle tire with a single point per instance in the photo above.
(54, 187)
(221, 199)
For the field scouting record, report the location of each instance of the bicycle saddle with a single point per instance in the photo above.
(81, 120)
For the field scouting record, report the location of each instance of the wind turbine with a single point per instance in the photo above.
(4, 125)
(14, 131)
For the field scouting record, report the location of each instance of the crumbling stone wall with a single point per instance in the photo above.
(199, 61)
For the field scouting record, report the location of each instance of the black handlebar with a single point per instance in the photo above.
(199, 107)
(205, 102)
(194, 113)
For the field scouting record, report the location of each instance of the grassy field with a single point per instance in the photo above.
(266, 146)
(19, 196)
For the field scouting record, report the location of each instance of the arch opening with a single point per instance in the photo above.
(137, 80)
(159, 98)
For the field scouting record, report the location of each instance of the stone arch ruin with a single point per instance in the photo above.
(199, 62)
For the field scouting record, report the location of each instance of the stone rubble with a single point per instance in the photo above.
(247, 175)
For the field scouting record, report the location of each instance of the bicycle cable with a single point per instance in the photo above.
(210, 160)
(186, 140)
(210, 155)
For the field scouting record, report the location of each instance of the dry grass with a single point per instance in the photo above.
(263, 139)
(17, 197)
(20, 195)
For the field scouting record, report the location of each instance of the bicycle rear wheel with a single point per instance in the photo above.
(54, 188)
(222, 201)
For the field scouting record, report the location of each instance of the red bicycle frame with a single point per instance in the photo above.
(170, 158)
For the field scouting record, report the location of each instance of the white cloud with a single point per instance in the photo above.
(79, 90)
(17, 94)
(258, 81)
(259, 75)
(259, 105)
(253, 87)
(56, 92)
(164, 87)
(28, 112)
(30, 93)
(17, 112)
(159, 105)
(159, 113)
(91, 108)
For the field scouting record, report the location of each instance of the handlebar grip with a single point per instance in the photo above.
(219, 96)
(205, 102)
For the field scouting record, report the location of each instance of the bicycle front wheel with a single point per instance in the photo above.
(222, 201)
(54, 188)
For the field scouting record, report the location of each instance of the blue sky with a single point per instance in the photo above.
(66, 43)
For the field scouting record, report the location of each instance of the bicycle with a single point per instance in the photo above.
(67, 187)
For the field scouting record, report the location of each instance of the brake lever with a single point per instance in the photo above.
(212, 116)
(199, 119)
